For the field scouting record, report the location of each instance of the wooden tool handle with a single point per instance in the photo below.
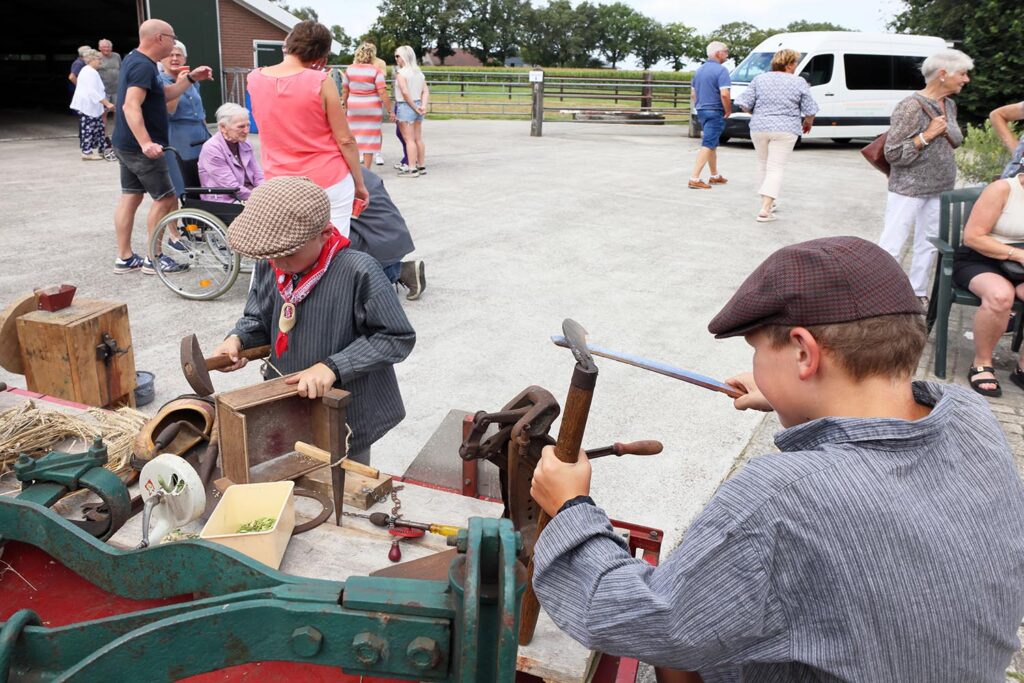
(645, 447)
(224, 360)
(323, 456)
(567, 449)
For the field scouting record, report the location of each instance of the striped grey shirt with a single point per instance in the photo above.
(352, 317)
(868, 550)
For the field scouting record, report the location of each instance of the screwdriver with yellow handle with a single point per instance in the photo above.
(383, 519)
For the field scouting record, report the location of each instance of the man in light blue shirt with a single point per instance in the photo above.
(711, 105)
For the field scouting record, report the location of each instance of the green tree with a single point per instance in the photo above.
(344, 56)
(619, 24)
(303, 13)
(557, 34)
(741, 37)
(797, 26)
(990, 31)
(586, 35)
(548, 34)
(683, 45)
(424, 25)
(494, 29)
(651, 42)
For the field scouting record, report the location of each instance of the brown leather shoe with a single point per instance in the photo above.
(698, 185)
(717, 180)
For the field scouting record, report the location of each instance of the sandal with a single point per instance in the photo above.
(1017, 377)
(992, 393)
(766, 218)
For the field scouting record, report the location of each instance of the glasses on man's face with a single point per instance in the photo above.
(170, 35)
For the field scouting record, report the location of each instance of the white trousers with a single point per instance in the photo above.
(341, 196)
(918, 214)
(772, 151)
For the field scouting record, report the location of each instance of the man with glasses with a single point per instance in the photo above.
(140, 133)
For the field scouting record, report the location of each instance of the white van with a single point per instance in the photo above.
(856, 78)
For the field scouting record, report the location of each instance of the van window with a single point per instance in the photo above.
(883, 72)
(755, 64)
(819, 70)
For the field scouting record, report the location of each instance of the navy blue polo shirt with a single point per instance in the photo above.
(140, 71)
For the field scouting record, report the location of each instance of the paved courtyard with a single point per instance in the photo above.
(591, 222)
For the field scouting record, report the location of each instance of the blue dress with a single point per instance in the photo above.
(187, 125)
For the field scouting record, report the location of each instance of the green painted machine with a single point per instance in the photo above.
(235, 611)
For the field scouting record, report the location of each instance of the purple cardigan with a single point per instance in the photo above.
(218, 167)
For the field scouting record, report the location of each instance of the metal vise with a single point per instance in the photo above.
(461, 630)
(523, 426)
(46, 480)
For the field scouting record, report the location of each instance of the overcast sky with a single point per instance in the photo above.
(356, 16)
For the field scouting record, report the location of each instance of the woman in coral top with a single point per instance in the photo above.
(302, 125)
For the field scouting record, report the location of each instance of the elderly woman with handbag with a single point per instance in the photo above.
(919, 148)
(990, 263)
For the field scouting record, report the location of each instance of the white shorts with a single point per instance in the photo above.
(341, 196)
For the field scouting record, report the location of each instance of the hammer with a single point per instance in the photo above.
(567, 449)
(196, 368)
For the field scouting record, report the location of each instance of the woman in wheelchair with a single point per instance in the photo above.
(226, 159)
(990, 263)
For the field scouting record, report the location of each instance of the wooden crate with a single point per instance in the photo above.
(259, 426)
(59, 353)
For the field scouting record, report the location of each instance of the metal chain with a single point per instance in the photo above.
(380, 498)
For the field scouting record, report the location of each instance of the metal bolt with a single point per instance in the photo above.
(467, 481)
(369, 648)
(519, 542)
(423, 653)
(306, 641)
(653, 534)
(461, 542)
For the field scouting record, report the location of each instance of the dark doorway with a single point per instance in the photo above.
(40, 40)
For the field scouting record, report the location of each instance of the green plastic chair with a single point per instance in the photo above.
(955, 207)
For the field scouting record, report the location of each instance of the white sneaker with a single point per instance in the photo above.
(94, 155)
(399, 166)
(378, 159)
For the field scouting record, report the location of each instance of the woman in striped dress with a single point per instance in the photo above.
(365, 94)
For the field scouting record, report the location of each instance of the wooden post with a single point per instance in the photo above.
(537, 120)
(647, 92)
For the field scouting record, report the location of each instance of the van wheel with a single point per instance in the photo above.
(842, 141)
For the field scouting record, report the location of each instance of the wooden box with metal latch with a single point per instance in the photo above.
(81, 353)
(260, 424)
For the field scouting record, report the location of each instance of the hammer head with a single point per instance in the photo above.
(576, 337)
(193, 366)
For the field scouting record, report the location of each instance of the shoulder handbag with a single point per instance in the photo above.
(875, 151)
(1013, 270)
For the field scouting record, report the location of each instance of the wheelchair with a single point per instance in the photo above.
(195, 238)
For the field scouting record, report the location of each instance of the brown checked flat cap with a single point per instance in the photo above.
(280, 216)
(830, 280)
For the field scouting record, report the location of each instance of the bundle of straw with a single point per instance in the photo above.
(35, 431)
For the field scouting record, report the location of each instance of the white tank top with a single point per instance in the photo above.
(1010, 226)
(414, 81)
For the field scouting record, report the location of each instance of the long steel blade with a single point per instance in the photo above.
(659, 367)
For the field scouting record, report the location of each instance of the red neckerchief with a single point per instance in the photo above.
(294, 292)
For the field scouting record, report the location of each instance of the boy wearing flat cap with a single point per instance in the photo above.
(328, 311)
(884, 543)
